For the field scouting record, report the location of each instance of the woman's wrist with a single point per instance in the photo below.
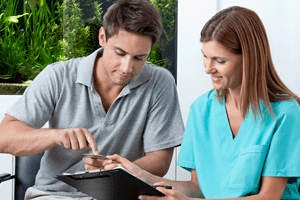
(150, 178)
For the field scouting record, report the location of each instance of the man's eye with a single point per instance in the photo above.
(221, 61)
(138, 58)
(120, 54)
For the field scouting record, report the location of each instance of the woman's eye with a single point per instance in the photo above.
(221, 61)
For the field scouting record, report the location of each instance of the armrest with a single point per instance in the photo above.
(5, 177)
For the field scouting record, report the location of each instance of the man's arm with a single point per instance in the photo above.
(156, 162)
(19, 139)
(161, 158)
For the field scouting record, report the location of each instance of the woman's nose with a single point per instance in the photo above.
(208, 65)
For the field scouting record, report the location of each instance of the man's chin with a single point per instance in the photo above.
(121, 83)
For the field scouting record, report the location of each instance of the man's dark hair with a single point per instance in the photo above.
(135, 16)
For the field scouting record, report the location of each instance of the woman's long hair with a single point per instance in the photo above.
(241, 31)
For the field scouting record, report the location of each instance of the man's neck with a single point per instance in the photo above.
(107, 90)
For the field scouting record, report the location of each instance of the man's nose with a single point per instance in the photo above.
(127, 65)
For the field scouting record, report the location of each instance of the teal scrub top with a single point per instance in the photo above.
(230, 167)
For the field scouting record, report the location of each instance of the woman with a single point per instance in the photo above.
(242, 139)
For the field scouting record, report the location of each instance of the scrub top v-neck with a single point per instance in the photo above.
(232, 167)
(229, 145)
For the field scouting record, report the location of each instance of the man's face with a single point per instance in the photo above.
(124, 56)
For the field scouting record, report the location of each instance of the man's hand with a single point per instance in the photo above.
(76, 139)
(93, 163)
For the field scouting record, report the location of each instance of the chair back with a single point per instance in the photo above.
(26, 170)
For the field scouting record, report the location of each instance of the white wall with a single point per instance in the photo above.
(281, 20)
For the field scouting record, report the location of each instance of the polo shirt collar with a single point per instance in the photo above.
(141, 78)
(86, 66)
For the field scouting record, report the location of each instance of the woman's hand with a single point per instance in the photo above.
(116, 160)
(171, 194)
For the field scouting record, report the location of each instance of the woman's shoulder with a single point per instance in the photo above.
(285, 107)
(205, 99)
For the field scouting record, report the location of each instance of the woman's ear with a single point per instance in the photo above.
(102, 37)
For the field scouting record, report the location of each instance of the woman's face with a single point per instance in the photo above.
(225, 67)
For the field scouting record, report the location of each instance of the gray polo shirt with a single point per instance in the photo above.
(145, 116)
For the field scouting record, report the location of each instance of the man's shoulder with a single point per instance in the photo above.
(61, 70)
(158, 72)
(71, 64)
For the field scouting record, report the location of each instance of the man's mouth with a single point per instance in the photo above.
(124, 75)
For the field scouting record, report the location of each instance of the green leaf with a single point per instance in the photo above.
(14, 19)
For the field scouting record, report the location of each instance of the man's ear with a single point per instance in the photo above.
(102, 37)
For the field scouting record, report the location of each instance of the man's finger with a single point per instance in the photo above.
(90, 167)
(82, 142)
(91, 141)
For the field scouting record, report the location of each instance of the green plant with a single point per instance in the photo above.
(63, 29)
(42, 34)
(168, 12)
(12, 54)
(94, 22)
(155, 57)
(82, 20)
(72, 18)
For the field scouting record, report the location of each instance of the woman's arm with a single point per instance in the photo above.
(189, 188)
(271, 189)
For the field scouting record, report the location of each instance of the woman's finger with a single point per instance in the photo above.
(162, 183)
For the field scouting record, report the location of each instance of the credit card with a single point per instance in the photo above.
(101, 157)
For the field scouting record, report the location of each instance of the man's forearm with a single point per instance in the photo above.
(19, 139)
(157, 162)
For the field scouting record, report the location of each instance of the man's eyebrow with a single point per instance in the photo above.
(118, 48)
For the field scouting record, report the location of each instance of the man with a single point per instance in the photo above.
(111, 101)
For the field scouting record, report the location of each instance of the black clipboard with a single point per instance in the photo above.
(112, 184)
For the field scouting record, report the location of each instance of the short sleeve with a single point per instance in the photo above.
(186, 154)
(283, 157)
(36, 105)
(164, 126)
